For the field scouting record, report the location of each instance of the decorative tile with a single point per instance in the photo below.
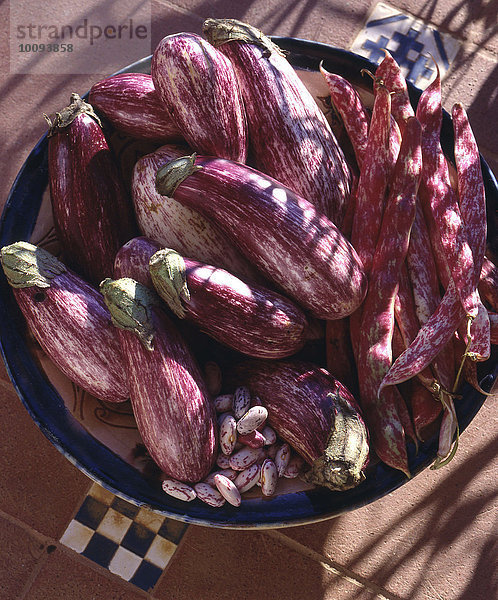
(414, 44)
(132, 542)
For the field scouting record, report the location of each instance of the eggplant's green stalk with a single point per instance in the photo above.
(341, 465)
(168, 274)
(130, 304)
(222, 31)
(169, 176)
(67, 115)
(26, 265)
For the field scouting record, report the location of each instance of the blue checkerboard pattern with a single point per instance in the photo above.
(130, 541)
(414, 44)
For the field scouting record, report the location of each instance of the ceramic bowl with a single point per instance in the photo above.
(101, 440)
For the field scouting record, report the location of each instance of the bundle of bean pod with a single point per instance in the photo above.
(247, 223)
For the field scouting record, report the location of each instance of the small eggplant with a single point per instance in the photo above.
(68, 318)
(132, 105)
(315, 414)
(174, 413)
(93, 215)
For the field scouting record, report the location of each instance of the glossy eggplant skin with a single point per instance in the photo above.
(132, 105)
(290, 138)
(174, 412)
(93, 215)
(72, 324)
(175, 225)
(279, 232)
(314, 413)
(198, 86)
(132, 260)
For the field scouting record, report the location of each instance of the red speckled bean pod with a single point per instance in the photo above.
(430, 340)
(493, 321)
(349, 105)
(339, 353)
(374, 348)
(424, 407)
(473, 210)
(391, 75)
(470, 186)
(374, 175)
(488, 283)
(440, 203)
(406, 318)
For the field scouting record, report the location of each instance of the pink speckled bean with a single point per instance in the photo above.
(252, 419)
(178, 489)
(247, 478)
(230, 473)
(244, 458)
(223, 403)
(227, 489)
(295, 467)
(241, 401)
(269, 434)
(255, 439)
(223, 461)
(228, 434)
(269, 477)
(282, 458)
(209, 494)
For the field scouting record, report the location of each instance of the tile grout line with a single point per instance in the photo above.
(332, 566)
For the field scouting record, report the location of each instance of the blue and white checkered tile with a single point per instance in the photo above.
(414, 44)
(132, 542)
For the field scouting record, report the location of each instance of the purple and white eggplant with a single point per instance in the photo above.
(282, 234)
(290, 138)
(174, 413)
(198, 87)
(68, 318)
(315, 414)
(132, 105)
(174, 225)
(93, 215)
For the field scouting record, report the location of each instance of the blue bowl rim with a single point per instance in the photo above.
(99, 463)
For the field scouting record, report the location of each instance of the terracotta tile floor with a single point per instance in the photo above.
(435, 538)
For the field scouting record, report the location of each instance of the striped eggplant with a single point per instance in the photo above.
(131, 104)
(278, 231)
(198, 87)
(68, 318)
(314, 413)
(177, 226)
(93, 215)
(132, 260)
(247, 317)
(174, 413)
(290, 138)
